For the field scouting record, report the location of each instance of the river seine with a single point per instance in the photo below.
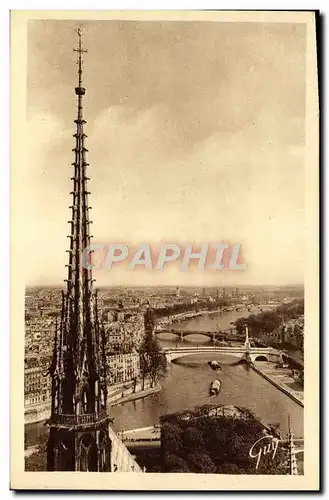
(186, 384)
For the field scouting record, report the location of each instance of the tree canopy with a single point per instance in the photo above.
(200, 443)
(152, 359)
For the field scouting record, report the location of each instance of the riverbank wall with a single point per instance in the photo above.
(121, 393)
(37, 413)
(177, 318)
(131, 394)
(283, 388)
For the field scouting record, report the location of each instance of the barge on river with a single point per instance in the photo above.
(215, 365)
(215, 387)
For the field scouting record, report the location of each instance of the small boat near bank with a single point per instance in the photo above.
(215, 387)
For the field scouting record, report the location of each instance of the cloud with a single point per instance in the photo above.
(196, 133)
(245, 187)
(237, 187)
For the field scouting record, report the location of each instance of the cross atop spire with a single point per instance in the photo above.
(80, 51)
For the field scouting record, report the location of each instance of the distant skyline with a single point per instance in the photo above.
(195, 134)
(181, 287)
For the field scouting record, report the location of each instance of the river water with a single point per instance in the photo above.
(186, 385)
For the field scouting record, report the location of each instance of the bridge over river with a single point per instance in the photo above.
(212, 335)
(242, 352)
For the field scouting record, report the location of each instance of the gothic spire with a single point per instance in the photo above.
(78, 437)
(292, 461)
(79, 306)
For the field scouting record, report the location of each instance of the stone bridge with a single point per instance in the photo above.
(242, 352)
(181, 334)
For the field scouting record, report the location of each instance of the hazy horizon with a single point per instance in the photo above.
(181, 287)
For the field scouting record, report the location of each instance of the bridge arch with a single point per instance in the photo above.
(185, 334)
(175, 354)
(261, 357)
(166, 332)
(255, 354)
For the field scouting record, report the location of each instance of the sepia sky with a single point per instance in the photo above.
(195, 134)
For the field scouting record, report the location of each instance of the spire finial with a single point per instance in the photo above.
(79, 32)
(79, 51)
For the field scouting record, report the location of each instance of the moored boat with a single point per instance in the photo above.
(215, 365)
(215, 387)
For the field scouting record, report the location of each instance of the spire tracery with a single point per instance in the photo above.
(79, 406)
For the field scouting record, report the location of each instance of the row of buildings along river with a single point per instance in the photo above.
(185, 384)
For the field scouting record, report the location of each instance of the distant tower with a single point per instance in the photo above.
(78, 436)
(293, 467)
(177, 292)
(149, 322)
(247, 342)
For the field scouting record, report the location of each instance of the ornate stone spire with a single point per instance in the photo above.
(292, 461)
(78, 437)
